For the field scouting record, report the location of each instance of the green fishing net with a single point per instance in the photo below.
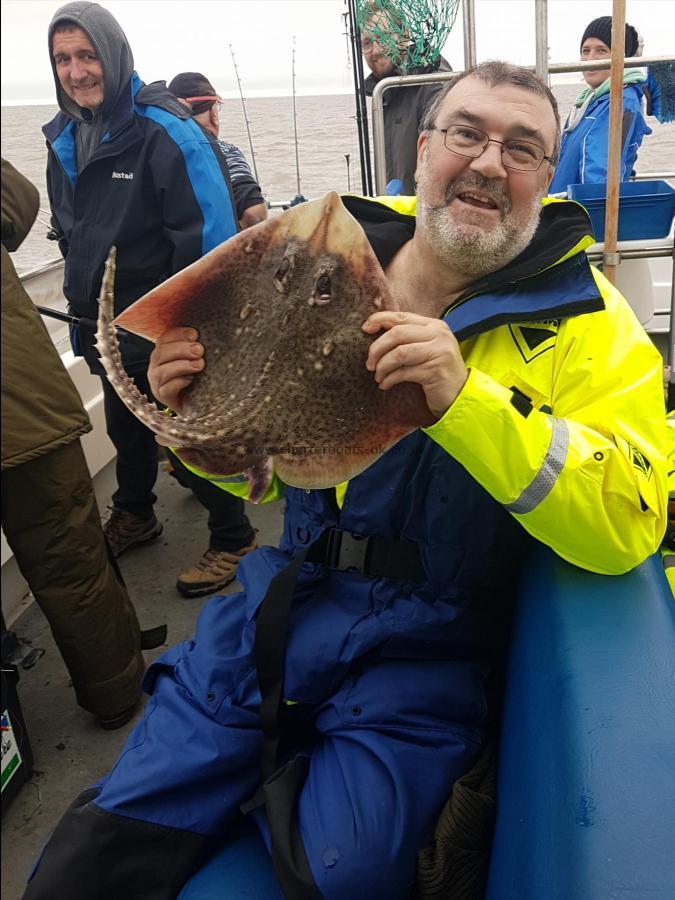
(411, 32)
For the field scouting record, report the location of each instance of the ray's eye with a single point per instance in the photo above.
(322, 290)
(283, 274)
(323, 285)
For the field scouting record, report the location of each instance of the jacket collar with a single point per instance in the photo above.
(551, 278)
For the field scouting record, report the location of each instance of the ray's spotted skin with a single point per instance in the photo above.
(279, 310)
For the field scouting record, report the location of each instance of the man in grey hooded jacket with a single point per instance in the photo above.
(128, 167)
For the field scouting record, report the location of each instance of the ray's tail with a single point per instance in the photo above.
(172, 431)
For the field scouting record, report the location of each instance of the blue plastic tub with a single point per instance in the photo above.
(646, 208)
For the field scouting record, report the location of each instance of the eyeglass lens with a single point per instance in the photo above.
(468, 141)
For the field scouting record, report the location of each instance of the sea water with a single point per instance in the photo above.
(328, 150)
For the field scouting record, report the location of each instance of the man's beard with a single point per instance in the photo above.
(466, 247)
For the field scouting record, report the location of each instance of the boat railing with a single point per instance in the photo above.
(653, 176)
(57, 261)
(377, 109)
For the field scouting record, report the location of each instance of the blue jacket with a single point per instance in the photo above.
(583, 150)
(156, 187)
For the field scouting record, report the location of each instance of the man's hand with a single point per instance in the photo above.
(418, 349)
(253, 216)
(174, 362)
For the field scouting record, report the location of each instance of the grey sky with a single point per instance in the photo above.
(170, 36)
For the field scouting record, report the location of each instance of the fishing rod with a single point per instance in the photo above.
(298, 197)
(89, 324)
(360, 94)
(243, 106)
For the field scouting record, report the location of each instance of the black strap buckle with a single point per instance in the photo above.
(347, 552)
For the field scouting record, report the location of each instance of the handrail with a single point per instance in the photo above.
(652, 176)
(631, 62)
(644, 253)
(377, 109)
(541, 39)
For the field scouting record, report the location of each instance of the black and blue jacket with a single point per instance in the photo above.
(156, 187)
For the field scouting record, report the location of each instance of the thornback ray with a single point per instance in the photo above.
(278, 309)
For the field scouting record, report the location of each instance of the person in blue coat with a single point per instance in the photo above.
(127, 166)
(584, 146)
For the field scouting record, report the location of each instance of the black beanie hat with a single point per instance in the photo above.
(602, 30)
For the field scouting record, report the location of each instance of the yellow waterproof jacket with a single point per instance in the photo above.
(562, 421)
(668, 546)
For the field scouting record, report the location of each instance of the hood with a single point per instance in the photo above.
(112, 48)
(157, 94)
(440, 65)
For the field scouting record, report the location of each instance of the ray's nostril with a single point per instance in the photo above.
(281, 275)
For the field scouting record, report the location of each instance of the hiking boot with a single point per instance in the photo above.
(215, 570)
(124, 529)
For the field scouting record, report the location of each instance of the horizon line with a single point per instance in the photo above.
(270, 93)
(261, 94)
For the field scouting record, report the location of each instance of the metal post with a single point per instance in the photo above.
(360, 94)
(469, 22)
(610, 256)
(541, 37)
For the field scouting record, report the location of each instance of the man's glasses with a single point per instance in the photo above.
(389, 47)
(472, 142)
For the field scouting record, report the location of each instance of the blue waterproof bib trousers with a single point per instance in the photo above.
(389, 672)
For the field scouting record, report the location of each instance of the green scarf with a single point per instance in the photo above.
(589, 95)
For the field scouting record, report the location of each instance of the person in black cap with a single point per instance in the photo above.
(199, 95)
(584, 145)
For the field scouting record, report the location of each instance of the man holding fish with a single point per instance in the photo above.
(338, 698)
